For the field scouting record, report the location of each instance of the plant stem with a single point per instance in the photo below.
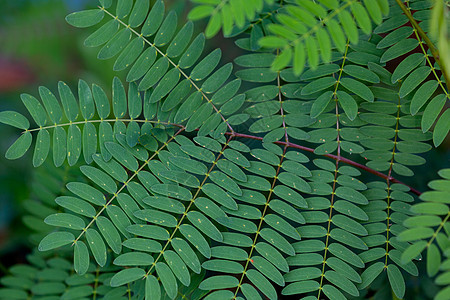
(335, 157)
(424, 36)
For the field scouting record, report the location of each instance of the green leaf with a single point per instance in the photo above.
(178, 267)
(65, 220)
(156, 217)
(320, 104)
(101, 101)
(200, 12)
(219, 195)
(349, 26)
(413, 80)
(15, 119)
(155, 73)
(89, 142)
(19, 147)
(206, 66)
(224, 266)
(281, 225)
(422, 95)
(299, 58)
(149, 231)
(123, 8)
(154, 19)
(214, 25)
(219, 282)
(97, 246)
(416, 233)
(167, 279)
(181, 40)
(122, 156)
(73, 144)
(318, 85)
(167, 83)
(110, 233)
(187, 254)
(103, 34)
(268, 270)
(399, 49)
(396, 280)
(332, 292)
(86, 100)
(55, 240)
(204, 225)
(35, 109)
(226, 182)
(134, 259)
(177, 95)
(119, 98)
(139, 13)
(361, 73)
(346, 255)
(348, 104)
(262, 283)
(337, 35)
(370, 274)
(197, 240)
(217, 79)
(432, 111)
(142, 64)
(362, 18)
(100, 178)
(193, 52)
(433, 260)
(272, 237)
(80, 258)
(152, 288)
(342, 282)
(282, 60)
(42, 147)
(85, 18)
(442, 128)
(358, 88)
(126, 276)
(167, 29)
(87, 192)
(129, 54)
(76, 205)
(68, 100)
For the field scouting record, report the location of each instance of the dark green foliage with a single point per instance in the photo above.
(177, 198)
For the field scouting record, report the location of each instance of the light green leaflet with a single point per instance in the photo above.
(122, 156)
(167, 278)
(81, 258)
(97, 246)
(100, 178)
(65, 220)
(127, 275)
(134, 259)
(85, 18)
(56, 240)
(204, 225)
(109, 233)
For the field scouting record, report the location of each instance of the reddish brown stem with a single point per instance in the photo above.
(335, 157)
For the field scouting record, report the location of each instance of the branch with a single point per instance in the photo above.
(335, 157)
(426, 39)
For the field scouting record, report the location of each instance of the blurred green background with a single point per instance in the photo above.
(37, 47)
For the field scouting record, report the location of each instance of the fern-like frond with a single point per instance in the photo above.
(228, 15)
(428, 229)
(158, 56)
(306, 28)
